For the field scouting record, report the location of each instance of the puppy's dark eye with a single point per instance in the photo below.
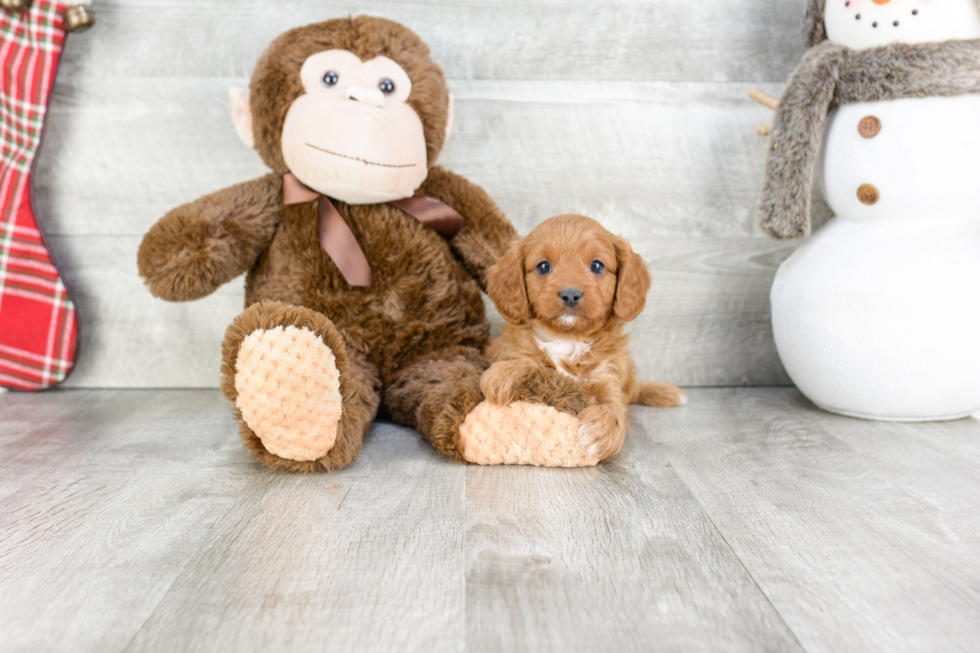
(597, 267)
(331, 78)
(387, 86)
(544, 267)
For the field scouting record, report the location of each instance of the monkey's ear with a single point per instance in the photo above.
(241, 114)
(632, 282)
(505, 285)
(449, 120)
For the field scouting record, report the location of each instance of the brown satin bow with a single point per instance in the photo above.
(339, 241)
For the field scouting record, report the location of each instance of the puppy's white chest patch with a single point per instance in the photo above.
(563, 351)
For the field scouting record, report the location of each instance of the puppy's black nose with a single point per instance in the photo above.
(570, 296)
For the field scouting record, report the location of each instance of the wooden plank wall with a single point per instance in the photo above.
(631, 111)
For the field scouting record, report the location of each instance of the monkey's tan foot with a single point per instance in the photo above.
(661, 394)
(289, 392)
(522, 433)
(602, 431)
(305, 405)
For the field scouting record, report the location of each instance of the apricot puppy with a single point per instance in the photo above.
(565, 291)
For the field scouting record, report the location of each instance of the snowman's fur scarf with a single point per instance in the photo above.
(831, 75)
(813, 29)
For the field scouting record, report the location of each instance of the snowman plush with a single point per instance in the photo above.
(878, 314)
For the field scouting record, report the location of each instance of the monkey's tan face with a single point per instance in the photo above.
(352, 136)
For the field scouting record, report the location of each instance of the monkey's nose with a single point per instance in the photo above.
(570, 297)
(372, 96)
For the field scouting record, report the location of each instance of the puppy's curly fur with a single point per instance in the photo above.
(565, 291)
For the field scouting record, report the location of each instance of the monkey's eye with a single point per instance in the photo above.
(544, 268)
(597, 267)
(387, 86)
(331, 78)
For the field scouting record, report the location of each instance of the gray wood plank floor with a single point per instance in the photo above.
(747, 520)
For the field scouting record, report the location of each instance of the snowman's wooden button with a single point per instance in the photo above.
(868, 194)
(869, 126)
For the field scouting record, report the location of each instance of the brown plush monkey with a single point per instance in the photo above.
(353, 297)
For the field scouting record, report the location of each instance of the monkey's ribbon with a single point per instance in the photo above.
(339, 241)
(434, 214)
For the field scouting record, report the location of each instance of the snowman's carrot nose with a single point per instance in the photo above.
(881, 2)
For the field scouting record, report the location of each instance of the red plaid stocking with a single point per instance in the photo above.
(38, 329)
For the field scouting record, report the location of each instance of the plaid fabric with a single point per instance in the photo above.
(37, 318)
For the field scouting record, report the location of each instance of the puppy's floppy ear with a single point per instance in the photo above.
(632, 282)
(505, 284)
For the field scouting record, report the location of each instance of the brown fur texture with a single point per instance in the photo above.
(360, 384)
(416, 335)
(542, 342)
(814, 32)
(831, 75)
(276, 84)
(198, 247)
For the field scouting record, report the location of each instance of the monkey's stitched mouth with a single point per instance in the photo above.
(354, 158)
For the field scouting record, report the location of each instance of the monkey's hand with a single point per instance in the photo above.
(486, 232)
(199, 246)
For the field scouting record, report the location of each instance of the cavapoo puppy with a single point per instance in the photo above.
(565, 291)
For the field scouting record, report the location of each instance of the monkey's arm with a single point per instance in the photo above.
(199, 246)
(486, 231)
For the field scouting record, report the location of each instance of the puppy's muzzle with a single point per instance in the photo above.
(571, 297)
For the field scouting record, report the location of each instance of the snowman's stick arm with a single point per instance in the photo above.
(765, 100)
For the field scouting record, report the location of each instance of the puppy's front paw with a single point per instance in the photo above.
(501, 383)
(601, 432)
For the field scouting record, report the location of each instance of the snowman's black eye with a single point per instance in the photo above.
(331, 78)
(387, 86)
(915, 12)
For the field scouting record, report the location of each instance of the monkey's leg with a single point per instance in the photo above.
(435, 393)
(305, 400)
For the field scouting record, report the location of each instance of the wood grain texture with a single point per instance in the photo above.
(634, 112)
(747, 520)
(670, 159)
(862, 534)
(706, 321)
(103, 498)
(758, 40)
(297, 564)
(615, 558)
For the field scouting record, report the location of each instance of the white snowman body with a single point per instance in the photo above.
(878, 315)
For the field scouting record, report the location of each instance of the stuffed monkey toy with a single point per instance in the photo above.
(364, 260)
(877, 315)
